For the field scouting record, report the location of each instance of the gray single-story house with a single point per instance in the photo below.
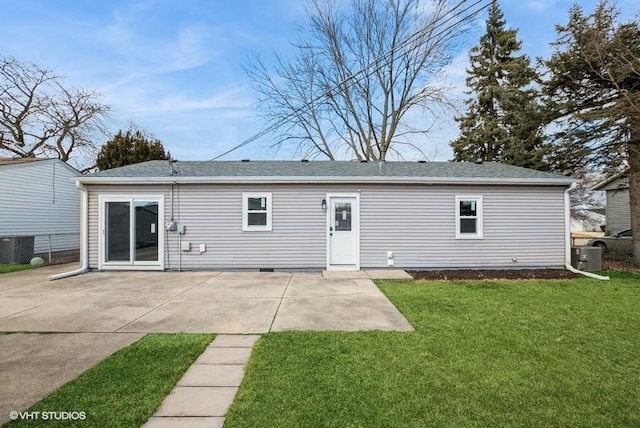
(334, 215)
(618, 209)
(39, 201)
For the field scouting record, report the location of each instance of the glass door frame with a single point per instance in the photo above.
(131, 264)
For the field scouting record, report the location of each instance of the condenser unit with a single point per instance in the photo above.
(586, 258)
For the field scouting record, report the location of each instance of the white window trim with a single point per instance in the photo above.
(245, 212)
(479, 217)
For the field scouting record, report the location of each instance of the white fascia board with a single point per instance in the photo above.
(603, 183)
(332, 180)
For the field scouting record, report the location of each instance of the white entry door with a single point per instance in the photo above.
(343, 241)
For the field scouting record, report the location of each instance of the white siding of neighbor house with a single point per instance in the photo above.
(40, 198)
(618, 207)
(416, 222)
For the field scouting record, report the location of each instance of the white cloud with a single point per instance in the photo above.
(233, 99)
(541, 5)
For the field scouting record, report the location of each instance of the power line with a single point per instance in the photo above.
(375, 63)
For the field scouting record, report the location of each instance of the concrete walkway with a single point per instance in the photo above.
(32, 365)
(205, 392)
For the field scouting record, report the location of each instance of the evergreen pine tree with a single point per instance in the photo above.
(503, 122)
(128, 148)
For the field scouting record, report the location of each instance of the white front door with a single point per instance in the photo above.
(343, 241)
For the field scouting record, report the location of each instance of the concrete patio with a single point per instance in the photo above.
(217, 302)
(64, 327)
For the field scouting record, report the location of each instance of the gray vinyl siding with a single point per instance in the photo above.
(618, 211)
(418, 225)
(40, 198)
(618, 207)
(416, 222)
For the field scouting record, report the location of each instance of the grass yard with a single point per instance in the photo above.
(125, 389)
(6, 268)
(484, 353)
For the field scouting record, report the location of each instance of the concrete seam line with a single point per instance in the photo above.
(281, 299)
(332, 296)
(19, 312)
(160, 304)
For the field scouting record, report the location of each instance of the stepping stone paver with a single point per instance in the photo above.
(191, 422)
(234, 341)
(224, 356)
(207, 389)
(212, 375)
(197, 401)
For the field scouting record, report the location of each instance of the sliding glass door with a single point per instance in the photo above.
(146, 238)
(118, 242)
(132, 232)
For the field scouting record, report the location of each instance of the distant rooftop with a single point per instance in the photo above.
(348, 171)
(13, 161)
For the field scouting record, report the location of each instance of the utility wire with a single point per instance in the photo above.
(375, 63)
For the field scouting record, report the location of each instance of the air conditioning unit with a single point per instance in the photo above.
(586, 258)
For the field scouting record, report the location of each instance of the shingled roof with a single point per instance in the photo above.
(323, 171)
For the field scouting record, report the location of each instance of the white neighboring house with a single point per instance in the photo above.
(588, 220)
(39, 198)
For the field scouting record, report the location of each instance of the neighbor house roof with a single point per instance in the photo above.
(8, 163)
(604, 183)
(323, 171)
(12, 161)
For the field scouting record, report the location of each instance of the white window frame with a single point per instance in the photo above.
(245, 212)
(479, 217)
(131, 264)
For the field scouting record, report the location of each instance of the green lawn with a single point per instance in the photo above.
(125, 389)
(5, 268)
(484, 353)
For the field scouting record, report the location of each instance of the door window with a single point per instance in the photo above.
(118, 237)
(342, 217)
(146, 237)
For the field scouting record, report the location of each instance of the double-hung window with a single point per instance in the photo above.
(256, 212)
(469, 217)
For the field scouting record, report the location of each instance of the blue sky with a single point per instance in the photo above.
(174, 68)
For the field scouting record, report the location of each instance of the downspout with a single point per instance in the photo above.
(567, 240)
(84, 242)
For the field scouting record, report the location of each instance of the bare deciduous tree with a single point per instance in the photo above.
(40, 117)
(352, 83)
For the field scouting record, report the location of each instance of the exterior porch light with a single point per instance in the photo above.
(323, 204)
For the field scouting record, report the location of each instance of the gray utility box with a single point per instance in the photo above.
(586, 258)
(16, 249)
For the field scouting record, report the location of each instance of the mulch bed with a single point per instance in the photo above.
(465, 274)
